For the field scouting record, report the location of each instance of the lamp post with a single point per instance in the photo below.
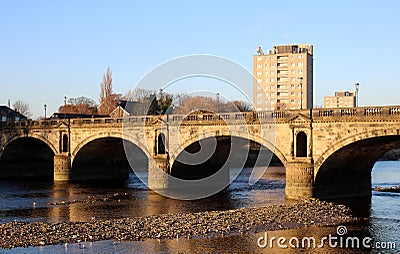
(65, 106)
(45, 111)
(357, 85)
(301, 92)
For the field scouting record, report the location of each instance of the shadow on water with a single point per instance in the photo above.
(83, 201)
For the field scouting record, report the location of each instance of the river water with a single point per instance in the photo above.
(35, 201)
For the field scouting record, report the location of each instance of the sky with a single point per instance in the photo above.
(51, 49)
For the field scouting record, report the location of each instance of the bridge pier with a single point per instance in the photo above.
(62, 167)
(158, 172)
(299, 180)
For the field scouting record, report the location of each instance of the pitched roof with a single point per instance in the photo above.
(10, 113)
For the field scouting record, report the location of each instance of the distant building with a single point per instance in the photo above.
(284, 76)
(345, 99)
(106, 107)
(9, 115)
(73, 115)
(135, 108)
(119, 112)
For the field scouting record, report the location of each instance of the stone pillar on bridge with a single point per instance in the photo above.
(62, 167)
(158, 171)
(299, 180)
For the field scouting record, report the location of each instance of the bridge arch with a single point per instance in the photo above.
(255, 138)
(108, 156)
(130, 138)
(344, 170)
(27, 157)
(347, 141)
(221, 153)
(33, 135)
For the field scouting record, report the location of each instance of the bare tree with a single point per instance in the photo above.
(243, 106)
(106, 86)
(197, 103)
(82, 100)
(189, 104)
(162, 103)
(138, 94)
(79, 105)
(108, 100)
(22, 108)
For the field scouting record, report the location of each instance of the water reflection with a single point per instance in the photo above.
(104, 200)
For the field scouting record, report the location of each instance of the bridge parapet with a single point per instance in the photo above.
(376, 111)
(214, 118)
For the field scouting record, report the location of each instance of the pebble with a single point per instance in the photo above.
(395, 189)
(185, 225)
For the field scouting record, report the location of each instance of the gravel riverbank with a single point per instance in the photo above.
(395, 189)
(245, 220)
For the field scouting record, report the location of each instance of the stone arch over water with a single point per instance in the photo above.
(27, 157)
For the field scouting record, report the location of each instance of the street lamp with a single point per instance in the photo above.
(65, 106)
(301, 92)
(357, 85)
(45, 109)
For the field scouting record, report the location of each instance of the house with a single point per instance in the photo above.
(135, 108)
(9, 115)
(106, 107)
(119, 112)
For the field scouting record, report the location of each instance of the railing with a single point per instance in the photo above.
(325, 113)
(394, 111)
(384, 111)
(348, 112)
(373, 111)
(357, 112)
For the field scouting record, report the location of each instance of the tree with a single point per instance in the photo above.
(197, 103)
(79, 105)
(243, 106)
(106, 86)
(156, 104)
(165, 102)
(138, 94)
(82, 100)
(22, 108)
(108, 100)
(211, 104)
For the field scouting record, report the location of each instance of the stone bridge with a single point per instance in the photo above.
(327, 153)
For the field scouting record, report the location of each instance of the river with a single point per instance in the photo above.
(52, 202)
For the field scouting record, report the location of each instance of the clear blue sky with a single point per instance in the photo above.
(49, 49)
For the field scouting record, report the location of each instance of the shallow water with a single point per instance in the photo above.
(31, 201)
